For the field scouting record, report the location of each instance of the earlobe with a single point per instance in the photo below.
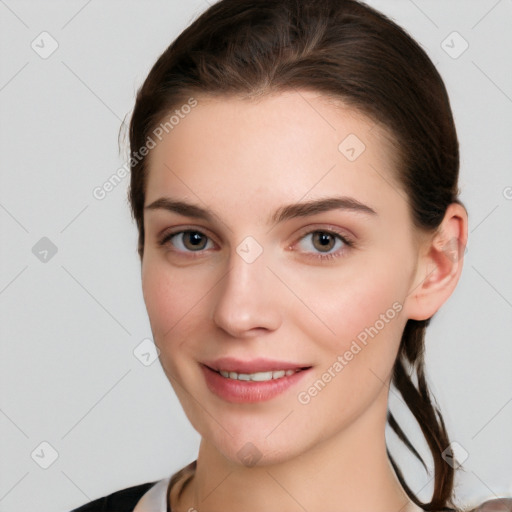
(439, 266)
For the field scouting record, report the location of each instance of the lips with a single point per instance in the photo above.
(257, 380)
(246, 389)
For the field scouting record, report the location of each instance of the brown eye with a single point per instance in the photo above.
(323, 241)
(193, 240)
(324, 244)
(188, 241)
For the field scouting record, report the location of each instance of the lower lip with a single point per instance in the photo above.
(246, 392)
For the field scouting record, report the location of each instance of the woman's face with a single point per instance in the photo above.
(252, 270)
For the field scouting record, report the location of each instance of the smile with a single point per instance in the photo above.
(252, 387)
(258, 376)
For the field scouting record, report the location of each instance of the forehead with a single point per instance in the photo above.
(288, 144)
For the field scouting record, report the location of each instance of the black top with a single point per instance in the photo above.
(124, 500)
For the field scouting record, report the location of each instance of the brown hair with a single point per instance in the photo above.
(343, 49)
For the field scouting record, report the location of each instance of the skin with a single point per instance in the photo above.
(244, 159)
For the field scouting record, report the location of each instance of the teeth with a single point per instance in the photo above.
(259, 376)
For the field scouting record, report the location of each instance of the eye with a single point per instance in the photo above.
(324, 244)
(187, 241)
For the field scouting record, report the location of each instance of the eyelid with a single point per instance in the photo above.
(348, 242)
(346, 236)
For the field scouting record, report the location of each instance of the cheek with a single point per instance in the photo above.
(358, 312)
(174, 299)
(173, 302)
(159, 298)
(170, 295)
(365, 313)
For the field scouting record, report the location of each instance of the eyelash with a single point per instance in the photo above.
(348, 243)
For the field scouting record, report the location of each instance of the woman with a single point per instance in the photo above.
(294, 182)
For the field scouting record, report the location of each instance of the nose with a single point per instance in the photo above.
(247, 298)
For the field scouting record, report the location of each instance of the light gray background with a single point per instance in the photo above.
(69, 326)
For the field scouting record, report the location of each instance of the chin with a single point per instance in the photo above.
(256, 455)
(254, 447)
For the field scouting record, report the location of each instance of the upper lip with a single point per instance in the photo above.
(231, 364)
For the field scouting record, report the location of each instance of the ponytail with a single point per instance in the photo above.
(429, 418)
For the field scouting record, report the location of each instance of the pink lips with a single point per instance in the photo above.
(239, 391)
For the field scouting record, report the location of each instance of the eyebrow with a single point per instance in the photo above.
(283, 213)
(319, 206)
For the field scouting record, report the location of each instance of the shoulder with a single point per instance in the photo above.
(119, 501)
(494, 505)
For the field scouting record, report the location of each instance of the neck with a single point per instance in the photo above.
(349, 472)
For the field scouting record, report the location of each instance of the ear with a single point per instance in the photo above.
(439, 265)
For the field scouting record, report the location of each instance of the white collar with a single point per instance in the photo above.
(155, 498)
